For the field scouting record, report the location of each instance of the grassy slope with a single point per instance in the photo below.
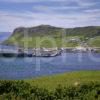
(95, 42)
(47, 32)
(66, 79)
(41, 42)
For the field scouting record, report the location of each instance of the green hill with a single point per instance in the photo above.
(95, 42)
(47, 36)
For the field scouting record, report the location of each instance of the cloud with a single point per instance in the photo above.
(80, 2)
(62, 13)
(86, 2)
(31, 1)
(92, 10)
(9, 21)
(52, 8)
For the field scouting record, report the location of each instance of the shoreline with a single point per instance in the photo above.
(46, 52)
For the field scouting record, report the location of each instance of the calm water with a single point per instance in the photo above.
(4, 35)
(26, 68)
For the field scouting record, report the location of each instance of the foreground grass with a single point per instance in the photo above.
(20, 90)
(83, 85)
(66, 79)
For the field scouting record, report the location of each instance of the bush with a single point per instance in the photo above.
(20, 90)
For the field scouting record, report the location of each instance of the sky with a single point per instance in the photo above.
(60, 13)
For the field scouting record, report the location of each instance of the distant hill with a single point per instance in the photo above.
(41, 30)
(22, 34)
(89, 31)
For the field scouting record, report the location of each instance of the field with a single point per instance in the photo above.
(95, 42)
(83, 85)
(66, 79)
(45, 41)
(51, 42)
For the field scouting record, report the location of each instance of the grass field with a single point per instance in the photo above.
(95, 42)
(50, 42)
(43, 41)
(82, 85)
(66, 79)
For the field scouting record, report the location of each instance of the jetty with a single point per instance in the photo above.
(44, 52)
(35, 52)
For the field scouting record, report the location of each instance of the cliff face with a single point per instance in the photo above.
(24, 34)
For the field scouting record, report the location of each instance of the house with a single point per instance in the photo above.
(80, 48)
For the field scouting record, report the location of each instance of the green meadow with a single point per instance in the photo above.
(82, 85)
(66, 79)
(95, 42)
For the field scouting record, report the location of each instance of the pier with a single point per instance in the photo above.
(43, 52)
(35, 52)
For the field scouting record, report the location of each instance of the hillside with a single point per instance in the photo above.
(47, 35)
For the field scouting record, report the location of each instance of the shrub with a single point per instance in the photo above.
(20, 90)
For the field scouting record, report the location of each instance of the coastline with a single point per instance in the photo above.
(45, 52)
